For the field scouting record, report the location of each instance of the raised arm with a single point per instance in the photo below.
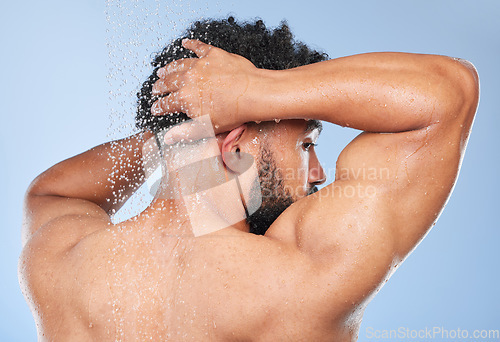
(88, 186)
(375, 92)
(428, 104)
(389, 188)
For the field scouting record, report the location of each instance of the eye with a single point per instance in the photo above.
(308, 145)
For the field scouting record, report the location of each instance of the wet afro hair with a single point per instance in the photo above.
(273, 49)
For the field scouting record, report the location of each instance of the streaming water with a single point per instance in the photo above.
(137, 260)
(136, 30)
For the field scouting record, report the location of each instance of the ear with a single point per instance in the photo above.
(230, 148)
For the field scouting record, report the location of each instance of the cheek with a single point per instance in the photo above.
(304, 163)
(298, 167)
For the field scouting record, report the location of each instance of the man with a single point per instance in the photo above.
(188, 268)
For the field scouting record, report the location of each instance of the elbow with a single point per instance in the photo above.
(464, 82)
(28, 207)
(469, 80)
(30, 202)
(42, 185)
(35, 186)
(453, 93)
(33, 189)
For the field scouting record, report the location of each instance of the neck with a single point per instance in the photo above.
(198, 214)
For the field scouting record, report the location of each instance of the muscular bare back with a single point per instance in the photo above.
(317, 266)
(140, 281)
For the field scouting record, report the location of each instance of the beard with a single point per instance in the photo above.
(275, 197)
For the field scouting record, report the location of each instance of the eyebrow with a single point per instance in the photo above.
(312, 125)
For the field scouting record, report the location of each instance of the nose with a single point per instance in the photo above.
(317, 174)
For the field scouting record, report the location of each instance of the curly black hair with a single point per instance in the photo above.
(273, 49)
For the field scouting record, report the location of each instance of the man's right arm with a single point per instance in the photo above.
(374, 92)
(390, 187)
(427, 102)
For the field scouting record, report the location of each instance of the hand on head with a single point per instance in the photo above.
(212, 84)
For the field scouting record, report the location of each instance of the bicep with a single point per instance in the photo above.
(410, 176)
(388, 191)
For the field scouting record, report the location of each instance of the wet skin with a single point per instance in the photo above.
(319, 264)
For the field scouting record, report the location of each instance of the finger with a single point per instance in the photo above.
(179, 65)
(167, 105)
(168, 84)
(199, 48)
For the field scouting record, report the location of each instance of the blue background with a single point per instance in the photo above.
(69, 71)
